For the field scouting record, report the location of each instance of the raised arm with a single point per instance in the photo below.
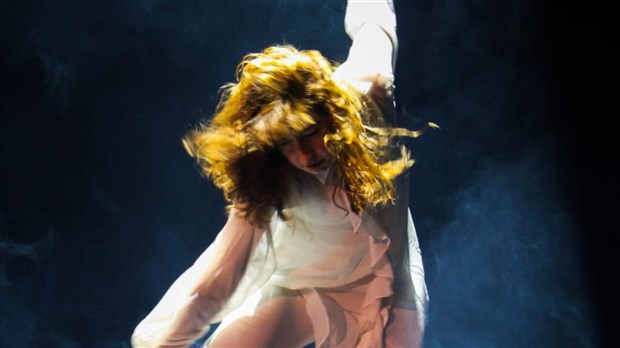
(370, 64)
(182, 316)
(363, 15)
(371, 24)
(372, 27)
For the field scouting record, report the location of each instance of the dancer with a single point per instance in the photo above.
(319, 245)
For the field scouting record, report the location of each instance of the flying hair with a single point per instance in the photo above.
(280, 92)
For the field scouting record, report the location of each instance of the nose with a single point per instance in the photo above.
(304, 150)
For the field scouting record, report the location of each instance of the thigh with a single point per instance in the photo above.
(403, 329)
(273, 317)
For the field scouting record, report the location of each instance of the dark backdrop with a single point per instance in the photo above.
(100, 208)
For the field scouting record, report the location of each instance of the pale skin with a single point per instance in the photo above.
(306, 150)
(279, 307)
(270, 322)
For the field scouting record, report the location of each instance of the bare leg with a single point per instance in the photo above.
(403, 329)
(279, 320)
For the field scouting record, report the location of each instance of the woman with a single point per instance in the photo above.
(316, 247)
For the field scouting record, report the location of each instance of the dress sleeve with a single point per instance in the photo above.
(416, 272)
(183, 314)
(378, 12)
(370, 64)
(370, 68)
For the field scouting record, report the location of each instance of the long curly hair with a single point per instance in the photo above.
(278, 91)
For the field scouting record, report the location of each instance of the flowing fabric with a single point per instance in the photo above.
(339, 264)
(360, 275)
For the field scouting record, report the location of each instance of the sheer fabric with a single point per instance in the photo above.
(333, 258)
(359, 277)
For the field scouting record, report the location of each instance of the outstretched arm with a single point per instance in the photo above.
(182, 316)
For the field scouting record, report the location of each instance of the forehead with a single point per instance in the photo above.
(279, 122)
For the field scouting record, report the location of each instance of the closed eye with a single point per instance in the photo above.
(283, 143)
(312, 130)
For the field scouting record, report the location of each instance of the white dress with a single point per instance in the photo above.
(337, 259)
(361, 276)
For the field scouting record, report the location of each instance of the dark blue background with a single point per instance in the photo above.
(100, 208)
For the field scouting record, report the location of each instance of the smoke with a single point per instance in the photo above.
(508, 270)
(96, 94)
(503, 250)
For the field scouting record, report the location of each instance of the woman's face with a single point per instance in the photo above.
(306, 150)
